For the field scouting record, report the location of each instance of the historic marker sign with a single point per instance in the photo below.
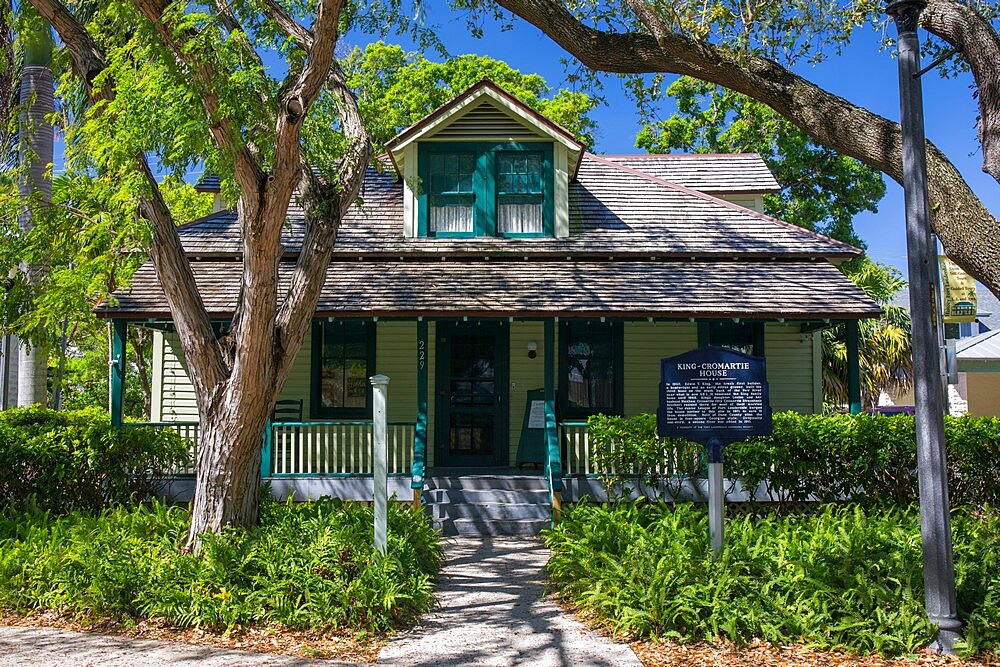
(714, 396)
(713, 393)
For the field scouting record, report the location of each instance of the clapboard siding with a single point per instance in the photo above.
(790, 367)
(525, 374)
(645, 344)
(396, 357)
(178, 402)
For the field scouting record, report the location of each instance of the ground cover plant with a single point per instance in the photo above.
(307, 566)
(840, 578)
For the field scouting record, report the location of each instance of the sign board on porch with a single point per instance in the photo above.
(531, 446)
(713, 393)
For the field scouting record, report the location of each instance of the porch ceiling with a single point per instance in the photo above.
(801, 289)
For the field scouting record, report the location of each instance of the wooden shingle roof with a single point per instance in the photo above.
(735, 173)
(615, 210)
(797, 289)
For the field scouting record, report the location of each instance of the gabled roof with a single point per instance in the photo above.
(614, 210)
(722, 173)
(489, 97)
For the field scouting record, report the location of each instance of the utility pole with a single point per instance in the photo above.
(932, 472)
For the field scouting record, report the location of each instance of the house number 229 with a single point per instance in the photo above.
(421, 354)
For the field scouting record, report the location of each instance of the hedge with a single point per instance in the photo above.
(813, 457)
(61, 461)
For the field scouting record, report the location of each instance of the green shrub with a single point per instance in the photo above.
(77, 460)
(840, 578)
(310, 565)
(812, 457)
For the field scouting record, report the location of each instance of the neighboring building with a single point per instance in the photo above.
(976, 395)
(979, 373)
(493, 257)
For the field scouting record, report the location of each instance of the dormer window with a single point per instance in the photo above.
(486, 189)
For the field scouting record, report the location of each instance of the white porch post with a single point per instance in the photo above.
(381, 477)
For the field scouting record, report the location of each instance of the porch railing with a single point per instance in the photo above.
(575, 447)
(336, 448)
(574, 443)
(189, 431)
(314, 448)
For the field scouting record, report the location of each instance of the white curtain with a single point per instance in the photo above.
(519, 218)
(452, 218)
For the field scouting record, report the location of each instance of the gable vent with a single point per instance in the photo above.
(487, 123)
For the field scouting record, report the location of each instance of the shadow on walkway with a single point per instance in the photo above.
(491, 611)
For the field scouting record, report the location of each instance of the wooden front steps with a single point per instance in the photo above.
(484, 504)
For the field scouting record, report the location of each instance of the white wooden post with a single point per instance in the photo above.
(380, 383)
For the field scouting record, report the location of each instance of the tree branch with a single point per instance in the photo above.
(822, 115)
(321, 231)
(172, 267)
(224, 132)
(962, 27)
(88, 61)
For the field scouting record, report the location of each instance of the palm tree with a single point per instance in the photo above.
(35, 150)
(885, 354)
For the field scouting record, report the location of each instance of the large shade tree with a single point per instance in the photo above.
(748, 47)
(177, 84)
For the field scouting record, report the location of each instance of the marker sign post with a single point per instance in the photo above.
(713, 396)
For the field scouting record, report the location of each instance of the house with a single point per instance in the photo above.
(493, 259)
(976, 386)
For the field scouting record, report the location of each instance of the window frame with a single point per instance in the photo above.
(616, 329)
(755, 339)
(484, 210)
(316, 408)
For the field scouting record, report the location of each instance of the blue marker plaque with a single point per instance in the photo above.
(713, 396)
(713, 393)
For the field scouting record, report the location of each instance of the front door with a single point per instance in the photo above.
(471, 382)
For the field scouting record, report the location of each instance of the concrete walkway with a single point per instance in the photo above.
(492, 612)
(48, 647)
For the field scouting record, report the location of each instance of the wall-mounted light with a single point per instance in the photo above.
(532, 350)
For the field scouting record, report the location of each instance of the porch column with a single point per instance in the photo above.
(553, 462)
(119, 329)
(853, 367)
(420, 431)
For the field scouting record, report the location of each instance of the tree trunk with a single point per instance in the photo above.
(960, 219)
(35, 158)
(227, 485)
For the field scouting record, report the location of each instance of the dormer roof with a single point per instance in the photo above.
(484, 112)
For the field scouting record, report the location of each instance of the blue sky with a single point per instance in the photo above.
(863, 74)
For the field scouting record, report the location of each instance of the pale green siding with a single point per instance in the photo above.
(177, 399)
(300, 376)
(645, 344)
(790, 367)
(396, 357)
(525, 374)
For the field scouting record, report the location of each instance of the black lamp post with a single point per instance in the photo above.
(935, 523)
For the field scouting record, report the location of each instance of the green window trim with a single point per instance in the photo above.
(742, 336)
(484, 186)
(320, 328)
(610, 333)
